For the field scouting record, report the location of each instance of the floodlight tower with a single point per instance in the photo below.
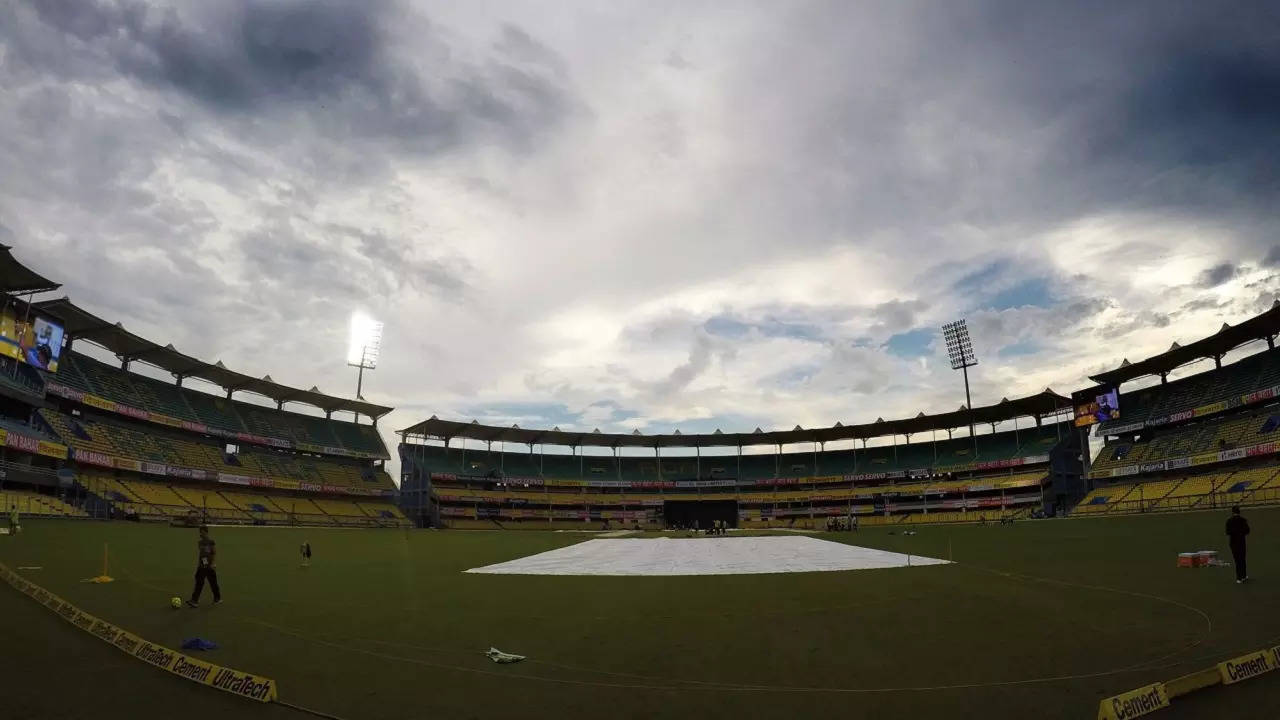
(364, 346)
(960, 351)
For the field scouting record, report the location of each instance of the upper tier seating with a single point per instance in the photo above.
(762, 466)
(93, 376)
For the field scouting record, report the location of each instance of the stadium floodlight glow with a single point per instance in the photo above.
(365, 342)
(960, 352)
(363, 347)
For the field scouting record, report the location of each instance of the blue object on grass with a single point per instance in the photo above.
(199, 644)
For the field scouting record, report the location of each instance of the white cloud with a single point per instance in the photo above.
(549, 207)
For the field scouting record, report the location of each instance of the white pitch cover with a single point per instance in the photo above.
(705, 556)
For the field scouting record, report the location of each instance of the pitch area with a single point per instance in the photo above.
(1040, 619)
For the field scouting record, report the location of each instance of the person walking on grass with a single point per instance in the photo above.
(206, 568)
(1237, 529)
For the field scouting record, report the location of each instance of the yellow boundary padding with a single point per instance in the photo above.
(1144, 700)
(245, 685)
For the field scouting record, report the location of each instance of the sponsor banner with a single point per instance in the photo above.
(194, 426)
(1121, 429)
(1135, 703)
(51, 449)
(989, 465)
(1233, 454)
(246, 685)
(522, 480)
(233, 479)
(192, 474)
(277, 442)
(311, 487)
(309, 447)
(335, 451)
(126, 464)
(97, 402)
(1209, 409)
(286, 484)
(975, 488)
(63, 391)
(1126, 470)
(92, 458)
(1246, 667)
(648, 484)
(265, 482)
(1152, 467)
(1180, 416)
(132, 412)
(565, 483)
(159, 419)
(155, 468)
(1177, 463)
(1258, 396)
(1263, 449)
(21, 442)
(608, 483)
(1233, 402)
(780, 481)
(433, 476)
(1204, 459)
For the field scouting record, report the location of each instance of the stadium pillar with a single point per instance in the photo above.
(1271, 343)
(934, 435)
(1015, 432)
(697, 463)
(777, 462)
(739, 463)
(1217, 362)
(894, 437)
(1164, 378)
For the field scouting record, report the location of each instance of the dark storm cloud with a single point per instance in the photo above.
(333, 62)
(1018, 116)
(1217, 275)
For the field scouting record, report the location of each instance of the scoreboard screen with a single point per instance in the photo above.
(1096, 405)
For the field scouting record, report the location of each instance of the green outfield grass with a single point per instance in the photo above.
(1038, 620)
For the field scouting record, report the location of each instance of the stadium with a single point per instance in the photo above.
(386, 359)
(973, 562)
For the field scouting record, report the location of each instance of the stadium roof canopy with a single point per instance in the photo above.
(1228, 337)
(81, 324)
(1038, 405)
(18, 279)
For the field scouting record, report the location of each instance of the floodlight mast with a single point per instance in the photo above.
(363, 348)
(960, 352)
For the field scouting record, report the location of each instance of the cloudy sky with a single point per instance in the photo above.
(651, 215)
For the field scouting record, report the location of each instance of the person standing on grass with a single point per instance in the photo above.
(306, 554)
(15, 527)
(1237, 529)
(206, 568)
